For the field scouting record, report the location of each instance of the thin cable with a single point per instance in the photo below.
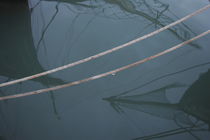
(105, 52)
(106, 73)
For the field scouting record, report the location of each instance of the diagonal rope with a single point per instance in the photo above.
(106, 73)
(106, 52)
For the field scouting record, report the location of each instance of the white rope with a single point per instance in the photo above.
(107, 73)
(105, 52)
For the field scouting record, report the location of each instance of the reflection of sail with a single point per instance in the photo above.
(154, 102)
(18, 57)
(196, 100)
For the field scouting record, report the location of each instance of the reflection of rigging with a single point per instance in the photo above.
(155, 14)
(162, 77)
(153, 11)
(173, 132)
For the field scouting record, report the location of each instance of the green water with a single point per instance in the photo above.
(166, 98)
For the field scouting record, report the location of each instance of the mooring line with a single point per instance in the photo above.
(107, 51)
(106, 73)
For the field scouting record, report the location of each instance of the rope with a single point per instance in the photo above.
(105, 52)
(106, 73)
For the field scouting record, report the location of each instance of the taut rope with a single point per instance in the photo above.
(106, 73)
(105, 52)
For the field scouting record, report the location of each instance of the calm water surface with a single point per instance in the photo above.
(167, 98)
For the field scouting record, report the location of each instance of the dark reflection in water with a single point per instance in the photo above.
(195, 102)
(20, 56)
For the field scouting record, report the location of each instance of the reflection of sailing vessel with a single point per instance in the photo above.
(195, 102)
(18, 57)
